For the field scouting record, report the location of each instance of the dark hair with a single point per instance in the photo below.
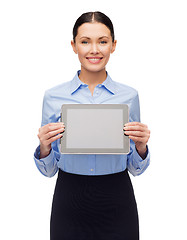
(93, 17)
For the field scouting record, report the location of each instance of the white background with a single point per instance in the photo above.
(151, 56)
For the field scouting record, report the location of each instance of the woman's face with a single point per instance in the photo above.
(93, 44)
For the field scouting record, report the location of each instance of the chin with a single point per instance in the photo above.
(93, 69)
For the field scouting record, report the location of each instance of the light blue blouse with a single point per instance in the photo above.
(75, 91)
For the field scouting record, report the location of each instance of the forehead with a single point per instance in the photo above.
(93, 30)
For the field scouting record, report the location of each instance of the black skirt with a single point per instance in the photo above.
(94, 208)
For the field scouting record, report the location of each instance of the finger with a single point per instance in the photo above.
(51, 127)
(135, 124)
(135, 133)
(54, 133)
(138, 139)
(45, 136)
(50, 140)
(136, 128)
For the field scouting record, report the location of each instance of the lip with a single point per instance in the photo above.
(94, 60)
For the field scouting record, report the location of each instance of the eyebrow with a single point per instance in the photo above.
(99, 38)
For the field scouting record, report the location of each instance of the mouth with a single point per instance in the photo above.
(94, 59)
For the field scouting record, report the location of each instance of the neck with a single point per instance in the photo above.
(92, 78)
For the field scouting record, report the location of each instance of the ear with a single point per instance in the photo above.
(74, 46)
(113, 46)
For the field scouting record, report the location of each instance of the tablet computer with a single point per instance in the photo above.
(94, 129)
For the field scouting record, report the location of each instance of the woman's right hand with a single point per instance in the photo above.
(48, 134)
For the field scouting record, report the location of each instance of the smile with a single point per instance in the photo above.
(94, 59)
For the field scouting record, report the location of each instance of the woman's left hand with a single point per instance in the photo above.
(140, 134)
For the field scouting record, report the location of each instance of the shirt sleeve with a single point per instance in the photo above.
(135, 164)
(48, 165)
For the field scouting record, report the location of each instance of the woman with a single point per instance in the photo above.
(93, 197)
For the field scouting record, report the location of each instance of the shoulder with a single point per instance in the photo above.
(131, 97)
(52, 102)
(58, 90)
(122, 88)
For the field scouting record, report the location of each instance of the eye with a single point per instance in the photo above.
(103, 42)
(84, 42)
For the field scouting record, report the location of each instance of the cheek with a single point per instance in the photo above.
(106, 51)
(82, 51)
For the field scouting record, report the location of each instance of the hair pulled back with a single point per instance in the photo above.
(89, 17)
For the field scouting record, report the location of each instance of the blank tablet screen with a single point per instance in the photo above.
(94, 128)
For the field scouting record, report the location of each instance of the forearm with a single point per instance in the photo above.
(135, 163)
(44, 152)
(142, 151)
(47, 165)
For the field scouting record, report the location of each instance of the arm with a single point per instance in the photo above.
(140, 134)
(48, 165)
(47, 155)
(139, 158)
(135, 164)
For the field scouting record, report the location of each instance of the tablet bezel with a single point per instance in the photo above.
(126, 141)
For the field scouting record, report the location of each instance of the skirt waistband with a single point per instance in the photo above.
(113, 179)
(111, 175)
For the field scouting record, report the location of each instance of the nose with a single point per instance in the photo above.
(94, 49)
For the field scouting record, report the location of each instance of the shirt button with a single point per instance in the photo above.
(91, 169)
(100, 85)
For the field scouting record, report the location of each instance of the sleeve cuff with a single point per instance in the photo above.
(137, 156)
(140, 165)
(45, 160)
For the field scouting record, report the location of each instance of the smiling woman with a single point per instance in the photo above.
(93, 44)
(94, 197)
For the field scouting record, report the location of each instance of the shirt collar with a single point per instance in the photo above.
(108, 83)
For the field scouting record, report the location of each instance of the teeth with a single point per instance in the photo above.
(94, 59)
